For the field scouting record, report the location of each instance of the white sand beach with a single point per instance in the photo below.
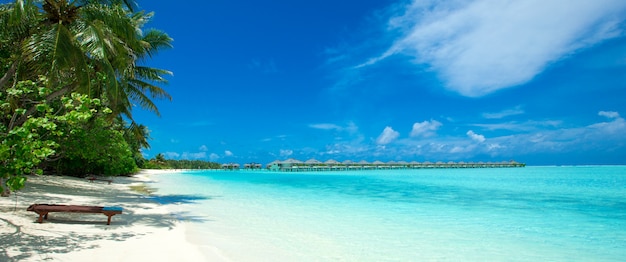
(145, 231)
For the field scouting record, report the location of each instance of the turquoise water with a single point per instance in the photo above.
(508, 214)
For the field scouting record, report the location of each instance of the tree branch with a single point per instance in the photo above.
(5, 79)
(54, 95)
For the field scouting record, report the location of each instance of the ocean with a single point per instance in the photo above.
(574, 213)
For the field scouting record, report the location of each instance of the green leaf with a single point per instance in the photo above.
(16, 183)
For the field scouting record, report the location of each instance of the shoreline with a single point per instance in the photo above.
(146, 230)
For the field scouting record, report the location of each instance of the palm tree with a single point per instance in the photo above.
(17, 23)
(159, 158)
(140, 134)
(88, 46)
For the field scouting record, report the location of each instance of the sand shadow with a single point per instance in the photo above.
(86, 229)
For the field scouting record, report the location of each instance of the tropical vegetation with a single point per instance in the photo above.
(71, 73)
(159, 162)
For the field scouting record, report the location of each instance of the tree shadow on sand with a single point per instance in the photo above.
(36, 243)
(20, 245)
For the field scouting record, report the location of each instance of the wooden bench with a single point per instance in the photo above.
(44, 209)
(93, 178)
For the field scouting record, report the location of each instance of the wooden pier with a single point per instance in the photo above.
(292, 165)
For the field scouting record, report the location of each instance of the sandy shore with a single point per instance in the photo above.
(146, 231)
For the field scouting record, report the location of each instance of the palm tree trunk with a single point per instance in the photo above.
(5, 190)
(5, 79)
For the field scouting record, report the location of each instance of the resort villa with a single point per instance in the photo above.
(294, 165)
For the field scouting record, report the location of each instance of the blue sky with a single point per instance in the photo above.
(540, 82)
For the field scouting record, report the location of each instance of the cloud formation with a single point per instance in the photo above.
(286, 152)
(214, 157)
(425, 129)
(351, 127)
(609, 114)
(478, 47)
(387, 136)
(504, 113)
(171, 155)
(325, 126)
(476, 137)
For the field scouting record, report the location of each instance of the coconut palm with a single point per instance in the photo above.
(92, 47)
(159, 158)
(138, 134)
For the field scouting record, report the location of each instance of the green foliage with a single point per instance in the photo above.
(98, 148)
(159, 162)
(23, 148)
(16, 182)
(68, 71)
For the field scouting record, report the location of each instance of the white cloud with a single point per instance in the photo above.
(171, 155)
(387, 136)
(476, 137)
(609, 114)
(188, 155)
(504, 113)
(203, 148)
(478, 47)
(286, 152)
(457, 149)
(214, 157)
(615, 127)
(325, 126)
(228, 153)
(526, 140)
(530, 125)
(351, 127)
(425, 129)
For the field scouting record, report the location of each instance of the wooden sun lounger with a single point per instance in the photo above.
(93, 178)
(44, 209)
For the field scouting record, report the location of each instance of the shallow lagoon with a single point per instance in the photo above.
(503, 214)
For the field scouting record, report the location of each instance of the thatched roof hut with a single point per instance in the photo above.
(331, 162)
(291, 161)
(313, 161)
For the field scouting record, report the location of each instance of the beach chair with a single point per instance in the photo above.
(93, 178)
(44, 209)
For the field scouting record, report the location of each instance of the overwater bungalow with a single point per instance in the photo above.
(365, 165)
(294, 165)
(314, 164)
(379, 164)
(230, 166)
(333, 164)
(252, 166)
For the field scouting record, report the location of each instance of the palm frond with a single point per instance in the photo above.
(131, 5)
(152, 74)
(157, 40)
(56, 53)
(150, 89)
(140, 134)
(141, 98)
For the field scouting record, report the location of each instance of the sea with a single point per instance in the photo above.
(534, 213)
